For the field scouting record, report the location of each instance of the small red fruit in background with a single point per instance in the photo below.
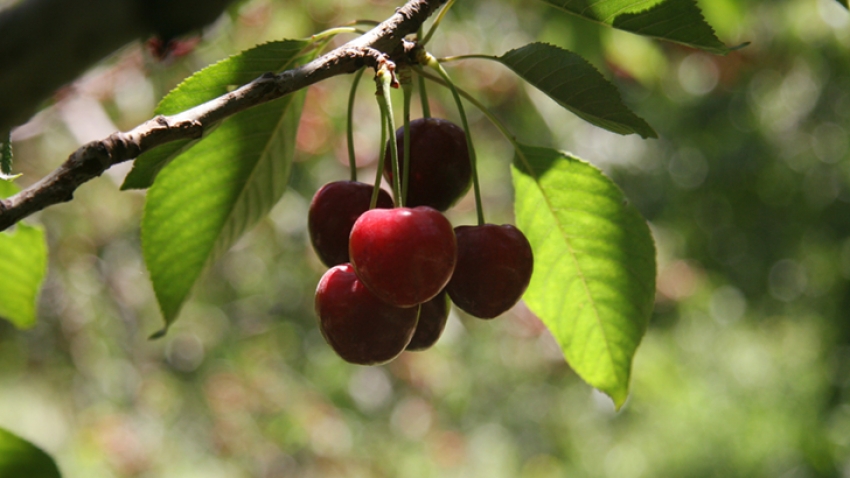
(440, 172)
(162, 49)
(404, 255)
(494, 265)
(433, 316)
(359, 327)
(333, 210)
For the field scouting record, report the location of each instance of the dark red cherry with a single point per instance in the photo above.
(494, 265)
(359, 327)
(404, 255)
(333, 210)
(433, 316)
(440, 172)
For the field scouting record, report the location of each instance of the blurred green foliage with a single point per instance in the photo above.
(18, 457)
(745, 369)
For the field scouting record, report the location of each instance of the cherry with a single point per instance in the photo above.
(433, 316)
(493, 269)
(405, 256)
(333, 210)
(440, 172)
(361, 328)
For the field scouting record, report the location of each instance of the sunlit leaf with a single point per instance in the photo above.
(148, 165)
(594, 264)
(205, 200)
(21, 459)
(23, 265)
(7, 188)
(205, 85)
(576, 85)
(678, 21)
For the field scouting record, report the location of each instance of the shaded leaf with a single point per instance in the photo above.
(20, 458)
(678, 21)
(845, 3)
(23, 265)
(594, 271)
(205, 200)
(205, 85)
(576, 85)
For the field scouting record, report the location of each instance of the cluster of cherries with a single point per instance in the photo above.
(392, 268)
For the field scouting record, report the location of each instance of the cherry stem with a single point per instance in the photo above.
(436, 23)
(490, 116)
(407, 89)
(467, 57)
(363, 21)
(432, 62)
(423, 97)
(423, 92)
(331, 32)
(385, 78)
(352, 162)
(373, 201)
(320, 40)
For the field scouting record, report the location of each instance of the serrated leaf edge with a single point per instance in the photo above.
(719, 51)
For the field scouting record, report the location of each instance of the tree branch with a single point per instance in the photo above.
(92, 159)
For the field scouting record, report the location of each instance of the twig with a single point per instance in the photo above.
(92, 159)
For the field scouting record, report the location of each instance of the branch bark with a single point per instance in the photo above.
(92, 159)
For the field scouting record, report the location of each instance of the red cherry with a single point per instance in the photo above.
(358, 326)
(433, 316)
(333, 210)
(494, 265)
(440, 172)
(404, 255)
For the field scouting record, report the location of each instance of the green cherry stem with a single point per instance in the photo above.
(352, 162)
(490, 116)
(467, 57)
(436, 23)
(428, 59)
(499, 125)
(331, 32)
(407, 89)
(373, 201)
(384, 78)
(423, 91)
(423, 97)
(363, 21)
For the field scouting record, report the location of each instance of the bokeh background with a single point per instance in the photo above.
(745, 368)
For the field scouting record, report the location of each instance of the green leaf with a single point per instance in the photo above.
(594, 279)
(7, 188)
(148, 165)
(23, 265)
(678, 21)
(576, 85)
(205, 200)
(844, 2)
(205, 85)
(20, 458)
